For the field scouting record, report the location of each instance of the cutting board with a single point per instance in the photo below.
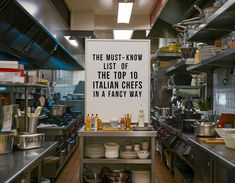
(212, 140)
(110, 129)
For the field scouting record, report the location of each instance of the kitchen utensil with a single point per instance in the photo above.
(202, 128)
(140, 176)
(33, 122)
(143, 154)
(6, 142)
(29, 141)
(58, 110)
(37, 111)
(229, 140)
(225, 131)
(92, 177)
(20, 123)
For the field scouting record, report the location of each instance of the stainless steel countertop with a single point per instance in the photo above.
(83, 133)
(218, 150)
(14, 164)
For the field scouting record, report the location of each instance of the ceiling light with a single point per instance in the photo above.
(124, 12)
(122, 34)
(71, 41)
(147, 32)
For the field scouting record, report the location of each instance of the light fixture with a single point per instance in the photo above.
(71, 41)
(124, 12)
(122, 34)
(147, 32)
(30, 7)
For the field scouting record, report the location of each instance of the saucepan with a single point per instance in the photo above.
(204, 128)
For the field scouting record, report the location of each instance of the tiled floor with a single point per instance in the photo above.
(70, 172)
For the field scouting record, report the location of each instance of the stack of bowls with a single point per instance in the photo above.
(94, 151)
(111, 150)
(128, 154)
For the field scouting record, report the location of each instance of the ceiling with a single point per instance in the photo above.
(109, 7)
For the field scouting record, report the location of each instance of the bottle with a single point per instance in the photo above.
(141, 118)
(96, 122)
(99, 124)
(92, 122)
(122, 124)
(88, 123)
(128, 122)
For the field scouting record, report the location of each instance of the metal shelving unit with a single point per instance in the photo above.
(119, 161)
(217, 25)
(167, 55)
(180, 67)
(222, 60)
(26, 86)
(104, 136)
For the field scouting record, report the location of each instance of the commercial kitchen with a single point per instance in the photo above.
(117, 91)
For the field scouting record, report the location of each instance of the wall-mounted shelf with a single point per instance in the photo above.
(222, 60)
(217, 25)
(180, 67)
(167, 55)
(7, 84)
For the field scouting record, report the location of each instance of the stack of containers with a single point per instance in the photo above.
(11, 71)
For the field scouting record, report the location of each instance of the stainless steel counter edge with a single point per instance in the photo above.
(83, 133)
(194, 142)
(13, 177)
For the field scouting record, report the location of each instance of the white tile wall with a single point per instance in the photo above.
(224, 95)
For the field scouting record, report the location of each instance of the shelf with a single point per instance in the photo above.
(222, 60)
(180, 67)
(167, 55)
(119, 134)
(118, 161)
(217, 25)
(7, 84)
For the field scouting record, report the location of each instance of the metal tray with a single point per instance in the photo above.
(29, 141)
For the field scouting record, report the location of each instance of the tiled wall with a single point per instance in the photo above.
(224, 95)
(64, 82)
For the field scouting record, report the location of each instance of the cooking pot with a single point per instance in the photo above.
(204, 128)
(58, 110)
(163, 111)
(6, 142)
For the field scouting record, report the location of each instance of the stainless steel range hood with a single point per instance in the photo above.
(24, 38)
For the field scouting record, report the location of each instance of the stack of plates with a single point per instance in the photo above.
(111, 150)
(128, 154)
(94, 151)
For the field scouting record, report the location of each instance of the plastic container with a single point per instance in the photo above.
(229, 140)
(140, 176)
(50, 166)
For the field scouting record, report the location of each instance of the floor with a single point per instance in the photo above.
(70, 172)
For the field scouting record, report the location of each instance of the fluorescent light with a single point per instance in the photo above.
(122, 34)
(124, 12)
(71, 41)
(147, 32)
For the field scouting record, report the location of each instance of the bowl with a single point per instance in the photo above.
(118, 176)
(143, 154)
(225, 131)
(128, 146)
(229, 140)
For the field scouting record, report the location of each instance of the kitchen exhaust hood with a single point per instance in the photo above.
(24, 38)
